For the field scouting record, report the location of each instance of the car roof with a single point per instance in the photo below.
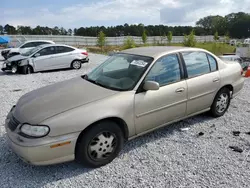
(155, 51)
(39, 41)
(48, 45)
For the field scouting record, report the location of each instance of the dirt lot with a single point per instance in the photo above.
(198, 156)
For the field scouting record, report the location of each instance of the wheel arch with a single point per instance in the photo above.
(120, 122)
(230, 87)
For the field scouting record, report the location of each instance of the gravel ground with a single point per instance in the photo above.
(169, 157)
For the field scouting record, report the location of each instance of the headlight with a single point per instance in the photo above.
(9, 64)
(35, 131)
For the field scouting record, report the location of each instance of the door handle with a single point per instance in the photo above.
(216, 80)
(180, 90)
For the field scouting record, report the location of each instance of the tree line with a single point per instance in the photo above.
(234, 25)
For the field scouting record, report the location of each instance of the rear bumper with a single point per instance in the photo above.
(85, 60)
(238, 86)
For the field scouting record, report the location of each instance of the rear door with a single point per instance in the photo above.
(203, 80)
(63, 57)
(44, 60)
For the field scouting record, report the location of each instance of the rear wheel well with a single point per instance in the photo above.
(230, 87)
(120, 122)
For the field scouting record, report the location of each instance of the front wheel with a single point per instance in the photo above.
(27, 69)
(76, 64)
(100, 144)
(221, 103)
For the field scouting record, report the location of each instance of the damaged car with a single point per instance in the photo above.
(46, 57)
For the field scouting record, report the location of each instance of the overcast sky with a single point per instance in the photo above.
(77, 13)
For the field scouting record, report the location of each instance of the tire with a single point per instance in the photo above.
(93, 146)
(221, 103)
(76, 64)
(27, 69)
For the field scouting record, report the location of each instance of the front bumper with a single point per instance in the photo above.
(40, 151)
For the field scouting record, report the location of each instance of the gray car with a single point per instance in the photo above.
(134, 92)
(46, 57)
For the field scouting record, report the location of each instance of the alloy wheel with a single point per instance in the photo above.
(222, 103)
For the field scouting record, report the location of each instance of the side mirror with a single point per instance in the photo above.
(151, 85)
(37, 55)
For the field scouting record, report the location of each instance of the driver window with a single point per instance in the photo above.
(166, 70)
(47, 51)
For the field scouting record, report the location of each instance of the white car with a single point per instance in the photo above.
(24, 47)
(246, 41)
(47, 57)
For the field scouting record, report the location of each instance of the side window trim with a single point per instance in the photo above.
(180, 67)
(210, 63)
(185, 67)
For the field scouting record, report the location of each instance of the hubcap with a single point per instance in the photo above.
(77, 65)
(222, 102)
(102, 146)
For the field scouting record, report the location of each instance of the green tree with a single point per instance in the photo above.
(101, 39)
(189, 40)
(144, 37)
(170, 37)
(1, 29)
(216, 36)
(129, 43)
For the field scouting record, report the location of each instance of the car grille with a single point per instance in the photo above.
(13, 123)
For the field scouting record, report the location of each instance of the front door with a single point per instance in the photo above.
(203, 80)
(44, 59)
(156, 108)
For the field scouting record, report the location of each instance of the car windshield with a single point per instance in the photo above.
(30, 52)
(120, 72)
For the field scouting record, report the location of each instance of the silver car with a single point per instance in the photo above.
(134, 92)
(46, 57)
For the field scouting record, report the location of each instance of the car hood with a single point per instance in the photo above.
(41, 104)
(17, 58)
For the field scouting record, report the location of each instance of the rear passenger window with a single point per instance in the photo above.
(166, 70)
(213, 63)
(64, 49)
(196, 63)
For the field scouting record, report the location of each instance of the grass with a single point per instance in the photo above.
(216, 48)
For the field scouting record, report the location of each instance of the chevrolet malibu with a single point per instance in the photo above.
(135, 91)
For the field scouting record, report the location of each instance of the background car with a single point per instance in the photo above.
(46, 57)
(231, 57)
(23, 48)
(134, 92)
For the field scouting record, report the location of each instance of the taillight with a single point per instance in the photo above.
(85, 53)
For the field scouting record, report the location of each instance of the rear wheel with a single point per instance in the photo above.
(76, 64)
(100, 144)
(221, 103)
(27, 69)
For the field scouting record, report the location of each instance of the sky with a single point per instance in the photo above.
(85, 13)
